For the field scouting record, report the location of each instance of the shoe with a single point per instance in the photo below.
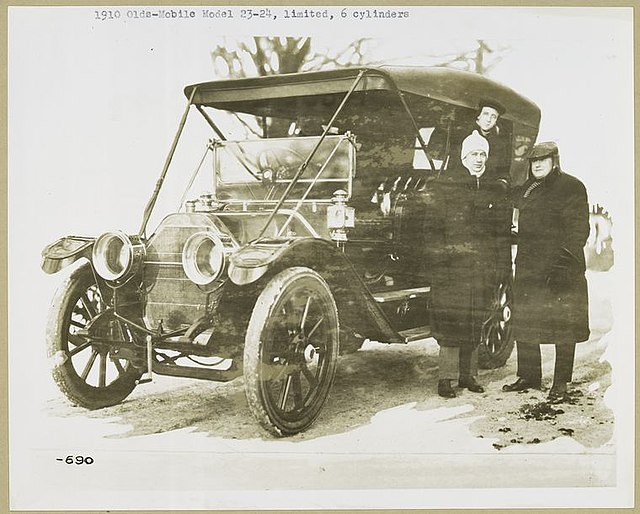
(558, 393)
(472, 384)
(445, 390)
(520, 385)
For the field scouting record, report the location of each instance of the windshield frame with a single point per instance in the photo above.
(346, 181)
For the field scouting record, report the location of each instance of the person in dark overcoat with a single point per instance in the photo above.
(467, 236)
(551, 300)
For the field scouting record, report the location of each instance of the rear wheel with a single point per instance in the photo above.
(90, 374)
(291, 350)
(497, 341)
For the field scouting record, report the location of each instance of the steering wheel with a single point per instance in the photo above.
(283, 162)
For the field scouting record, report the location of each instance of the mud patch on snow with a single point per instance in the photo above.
(529, 417)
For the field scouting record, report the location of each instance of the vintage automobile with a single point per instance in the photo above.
(302, 246)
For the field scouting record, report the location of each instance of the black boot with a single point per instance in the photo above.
(445, 390)
(470, 383)
(558, 393)
(520, 385)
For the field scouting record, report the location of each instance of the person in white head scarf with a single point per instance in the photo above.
(468, 251)
(474, 153)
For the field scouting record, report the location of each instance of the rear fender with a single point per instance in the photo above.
(357, 308)
(65, 251)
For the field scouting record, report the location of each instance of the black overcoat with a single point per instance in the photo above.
(499, 160)
(551, 300)
(467, 237)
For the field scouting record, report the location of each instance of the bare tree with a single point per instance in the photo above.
(276, 55)
(482, 58)
(261, 56)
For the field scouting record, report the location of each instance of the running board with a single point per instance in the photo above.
(216, 375)
(401, 294)
(415, 334)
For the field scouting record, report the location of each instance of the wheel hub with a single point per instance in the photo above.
(309, 353)
(506, 313)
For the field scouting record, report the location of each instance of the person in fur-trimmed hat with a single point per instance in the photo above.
(468, 250)
(551, 301)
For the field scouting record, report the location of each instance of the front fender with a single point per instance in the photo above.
(65, 251)
(357, 307)
(251, 262)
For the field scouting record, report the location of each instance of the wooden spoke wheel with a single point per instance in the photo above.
(90, 374)
(497, 341)
(291, 350)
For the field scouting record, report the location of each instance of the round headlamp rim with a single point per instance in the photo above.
(99, 257)
(189, 257)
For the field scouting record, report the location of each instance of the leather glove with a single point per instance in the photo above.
(501, 186)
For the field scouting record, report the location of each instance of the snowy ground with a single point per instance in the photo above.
(177, 443)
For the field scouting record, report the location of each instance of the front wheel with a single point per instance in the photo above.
(497, 341)
(90, 374)
(291, 350)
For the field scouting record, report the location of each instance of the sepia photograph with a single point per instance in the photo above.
(319, 257)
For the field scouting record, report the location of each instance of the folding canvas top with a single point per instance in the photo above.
(271, 95)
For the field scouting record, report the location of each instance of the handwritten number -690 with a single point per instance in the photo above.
(78, 460)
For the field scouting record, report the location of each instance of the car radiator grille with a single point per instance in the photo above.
(170, 296)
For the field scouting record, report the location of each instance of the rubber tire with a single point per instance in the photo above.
(64, 374)
(267, 303)
(488, 360)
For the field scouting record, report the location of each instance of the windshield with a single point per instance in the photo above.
(260, 170)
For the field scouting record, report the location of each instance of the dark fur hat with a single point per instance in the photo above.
(544, 150)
